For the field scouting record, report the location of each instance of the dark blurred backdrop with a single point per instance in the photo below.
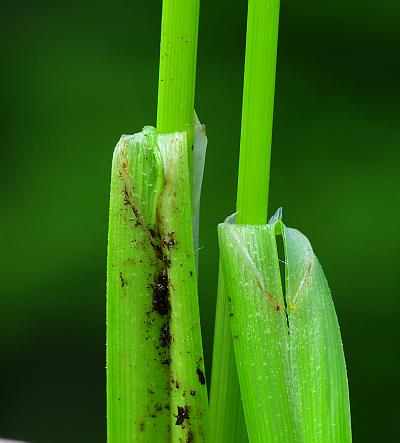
(76, 75)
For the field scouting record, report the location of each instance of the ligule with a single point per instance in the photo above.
(287, 347)
(154, 349)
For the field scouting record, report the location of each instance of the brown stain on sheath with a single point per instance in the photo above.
(130, 200)
(161, 302)
(165, 335)
(123, 281)
(160, 260)
(170, 242)
(183, 414)
(200, 376)
(160, 243)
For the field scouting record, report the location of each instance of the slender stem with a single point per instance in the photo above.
(226, 410)
(177, 75)
(257, 111)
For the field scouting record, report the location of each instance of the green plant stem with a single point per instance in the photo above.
(257, 111)
(177, 75)
(252, 203)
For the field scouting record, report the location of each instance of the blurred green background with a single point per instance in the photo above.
(76, 75)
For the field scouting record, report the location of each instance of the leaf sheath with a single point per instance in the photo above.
(288, 347)
(154, 349)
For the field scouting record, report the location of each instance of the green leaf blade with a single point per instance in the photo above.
(317, 358)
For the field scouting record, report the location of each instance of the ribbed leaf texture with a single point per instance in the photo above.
(156, 388)
(287, 347)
